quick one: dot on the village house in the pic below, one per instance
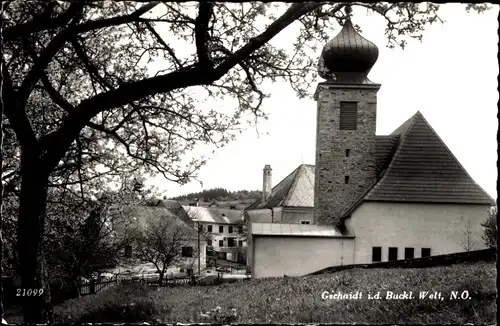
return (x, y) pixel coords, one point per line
(224, 229)
(188, 242)
(369, 198)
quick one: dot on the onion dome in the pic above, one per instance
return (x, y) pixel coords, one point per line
(348, 56)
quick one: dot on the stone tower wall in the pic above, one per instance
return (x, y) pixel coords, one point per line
(332, 195)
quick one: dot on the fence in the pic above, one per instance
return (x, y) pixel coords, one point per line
(431, 261)
(94, 287)
(167, 281)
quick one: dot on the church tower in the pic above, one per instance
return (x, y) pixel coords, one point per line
(346, 122)
(267, 184)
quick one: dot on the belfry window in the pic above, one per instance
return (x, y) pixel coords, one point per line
(348, 115)
(346, 179)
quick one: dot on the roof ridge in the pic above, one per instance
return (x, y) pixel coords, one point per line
(283, 180)
(405, 126)
(456, 160)
(410, 122)
(293, 185)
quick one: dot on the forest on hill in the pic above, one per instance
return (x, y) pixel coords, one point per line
(221, 194)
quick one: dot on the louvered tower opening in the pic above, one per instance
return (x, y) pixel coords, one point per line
(348, 115)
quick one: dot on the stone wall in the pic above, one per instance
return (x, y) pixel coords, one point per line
(332, 195)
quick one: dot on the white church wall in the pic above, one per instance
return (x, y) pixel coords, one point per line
(275, 256)
(445, 228)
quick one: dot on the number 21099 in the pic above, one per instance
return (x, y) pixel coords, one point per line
(29, 292)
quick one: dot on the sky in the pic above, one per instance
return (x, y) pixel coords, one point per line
(450, 77)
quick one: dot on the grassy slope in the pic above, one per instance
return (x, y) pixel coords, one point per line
(295, 300)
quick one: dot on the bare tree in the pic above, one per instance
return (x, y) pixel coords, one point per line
(81, 68)
(468, 241)
(164, 240)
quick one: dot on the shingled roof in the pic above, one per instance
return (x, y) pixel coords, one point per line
(413, 165)
(214, 215)
(297, 190)
(423, 169)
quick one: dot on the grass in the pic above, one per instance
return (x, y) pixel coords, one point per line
(298, 300)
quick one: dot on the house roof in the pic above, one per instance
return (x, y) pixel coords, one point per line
(175, 207)
(144, 214)
(214, 215)
(279, 229)
(423, 169)
(297, 189)
(413, 165)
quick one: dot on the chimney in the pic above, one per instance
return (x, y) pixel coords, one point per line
(267, 182)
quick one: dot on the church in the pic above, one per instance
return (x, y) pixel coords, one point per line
(369, 198)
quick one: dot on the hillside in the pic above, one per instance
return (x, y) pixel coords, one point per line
(299, 300)
(221, 195)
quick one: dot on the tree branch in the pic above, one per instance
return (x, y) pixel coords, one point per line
(41, 23)
(293, 13)
(189, 76)
(164, 44)
(17, 118)
(41, 62)
(204, 14)
(115, 21)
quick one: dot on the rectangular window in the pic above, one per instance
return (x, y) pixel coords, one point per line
(348, 115)
(240, 243)
(426, 252)
(240, 229)
(209, 242)
(376, 254)
(305, 222)
(221, 229)
(221, 243)
(230, 242)
(209, 228)
(409, 253)
(230, 229)
(346, 179)
(393, 253)
(187, 251)
(347, 152)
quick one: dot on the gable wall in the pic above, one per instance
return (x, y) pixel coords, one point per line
(295, 215)
(441, 227)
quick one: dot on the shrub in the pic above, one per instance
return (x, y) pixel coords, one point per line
(220, 315)
(124, 303)
(490, 230)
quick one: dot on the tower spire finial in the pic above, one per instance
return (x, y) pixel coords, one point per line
(348, 11)
(348, 57)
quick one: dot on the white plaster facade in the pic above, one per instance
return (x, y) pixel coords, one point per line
(276, 256)
(441, 227)
(219, 241)
(444, 228)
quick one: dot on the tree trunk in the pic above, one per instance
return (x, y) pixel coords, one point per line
(75, 288)
(160, 280)
(31, 225)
